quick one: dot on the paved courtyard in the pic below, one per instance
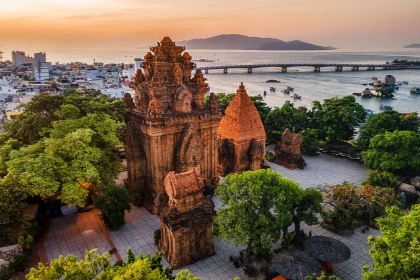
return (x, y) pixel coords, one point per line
(82, 231)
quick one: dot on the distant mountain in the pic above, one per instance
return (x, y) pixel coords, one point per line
(412, 46)
(293, 45)
(242, 42)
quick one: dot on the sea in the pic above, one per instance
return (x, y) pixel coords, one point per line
(309, 85)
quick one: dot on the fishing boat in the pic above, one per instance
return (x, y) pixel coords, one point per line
(272, 89)
(295, 96)
(368, 111)
(385, 107)
(285, 91)
(289, 88)
(415, 90)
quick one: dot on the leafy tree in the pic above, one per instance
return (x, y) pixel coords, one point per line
(386, 121)
(97, 266)
(336, 118)
(70, 161)
(306, 209)
(396, 254)
(12, 202)
(262, 108)
(294, 119)
(256, 206)
(397, 152)
(40, 113)
(112, 200)
(224, 100)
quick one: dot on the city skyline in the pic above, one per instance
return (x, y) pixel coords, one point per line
(130, 24)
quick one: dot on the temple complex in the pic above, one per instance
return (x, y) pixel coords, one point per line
(168, 126)
(287, 151)
(185, 217)
(241, 136)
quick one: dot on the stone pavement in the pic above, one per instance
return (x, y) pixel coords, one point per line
(82, 231)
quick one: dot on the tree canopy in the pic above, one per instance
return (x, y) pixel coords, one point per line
(336, 118)
(97, 266)
(62, 145)
(396, 152)
(396, 254)
(387, 121)
(256, 205)
(287, 116)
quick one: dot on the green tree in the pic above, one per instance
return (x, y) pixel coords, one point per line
(262, 108)
(397, 152)
(387, 121)
(224, 100)
(256, 207)
(294, 119)
(70, 161)
(40, 113)
(306, 209)
(97, 266)
(336, 118)
(396, 254)
(112, 200)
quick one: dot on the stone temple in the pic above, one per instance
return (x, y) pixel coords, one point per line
(241, 136)
(169, 128)
(186, 218)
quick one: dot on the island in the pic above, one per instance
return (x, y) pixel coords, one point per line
(412, 46)
(242, 42)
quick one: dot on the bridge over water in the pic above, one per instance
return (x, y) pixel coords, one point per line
(316, 67)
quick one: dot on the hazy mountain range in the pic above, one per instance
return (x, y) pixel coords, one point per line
(242, 42)
(412, 46)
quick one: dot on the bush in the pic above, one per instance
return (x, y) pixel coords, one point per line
(157, 235)
(347, 205)
(381, 179)
(269, 156)
(18, 263)
(112, 201)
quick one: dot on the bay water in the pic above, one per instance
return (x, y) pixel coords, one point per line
(310, 85)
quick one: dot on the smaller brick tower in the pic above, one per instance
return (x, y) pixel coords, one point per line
(241, 136)
(185, 217)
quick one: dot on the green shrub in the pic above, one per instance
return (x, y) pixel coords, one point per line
(112, 201)
(381, 179)
(269, 156)
(18, 263)
(157, 235)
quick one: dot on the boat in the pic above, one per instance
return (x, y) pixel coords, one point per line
(404, 82)
(295, 96)
(375, 78)
(385, 107)
(368, 111)
(265, 93)
(289, 88)
(272, 89)
(285, 91)
(287, 102)
(259, 97)
(415, 90)
(272, 81)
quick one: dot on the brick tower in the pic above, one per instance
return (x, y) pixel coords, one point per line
(168, 126)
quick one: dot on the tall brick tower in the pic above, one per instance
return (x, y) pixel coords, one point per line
(168, 126)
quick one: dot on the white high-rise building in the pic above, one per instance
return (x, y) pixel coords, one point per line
(18, 57)
(40, 58)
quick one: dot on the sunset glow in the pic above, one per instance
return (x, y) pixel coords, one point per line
(111, 24)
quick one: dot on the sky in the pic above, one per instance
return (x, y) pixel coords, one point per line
(42, 25)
